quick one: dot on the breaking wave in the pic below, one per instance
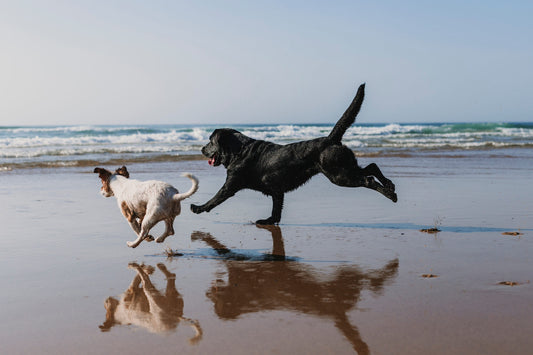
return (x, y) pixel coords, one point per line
(84, 144)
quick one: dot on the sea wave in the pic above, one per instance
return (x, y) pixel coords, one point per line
(84, 144)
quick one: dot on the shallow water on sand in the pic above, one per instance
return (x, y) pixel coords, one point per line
(342, 273)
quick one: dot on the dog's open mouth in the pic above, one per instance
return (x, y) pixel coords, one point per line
(212, 160)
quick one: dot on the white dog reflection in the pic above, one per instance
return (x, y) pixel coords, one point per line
(144, 306)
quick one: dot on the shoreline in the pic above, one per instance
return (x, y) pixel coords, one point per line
(484, 154)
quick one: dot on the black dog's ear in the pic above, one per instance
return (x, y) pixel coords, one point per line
(123, 171)
(103, 173)
(230, 141)
(215, 137)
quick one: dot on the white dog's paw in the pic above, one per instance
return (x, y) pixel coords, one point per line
(131, 244)
(160, 240)
(149, 238)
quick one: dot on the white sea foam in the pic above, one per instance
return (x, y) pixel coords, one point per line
(76, 143)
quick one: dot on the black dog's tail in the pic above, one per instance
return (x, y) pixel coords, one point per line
(348, 118)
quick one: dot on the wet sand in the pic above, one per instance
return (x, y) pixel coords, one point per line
(346, 271)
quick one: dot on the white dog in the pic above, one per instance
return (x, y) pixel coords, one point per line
(144, 203)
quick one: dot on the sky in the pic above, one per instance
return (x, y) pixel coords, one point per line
(222, 62)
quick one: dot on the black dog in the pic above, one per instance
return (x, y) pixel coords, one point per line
(275, 169)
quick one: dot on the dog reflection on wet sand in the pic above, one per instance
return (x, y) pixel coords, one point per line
(144, 306)
(274, 284)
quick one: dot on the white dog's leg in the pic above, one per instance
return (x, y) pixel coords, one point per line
(134, 224)
(147, 224)
(137, 229)
(169, 230)
(135, 243)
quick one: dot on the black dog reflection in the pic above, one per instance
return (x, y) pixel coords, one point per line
(144, 306)
(274, 285)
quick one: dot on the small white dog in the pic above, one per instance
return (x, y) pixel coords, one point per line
(144, 203)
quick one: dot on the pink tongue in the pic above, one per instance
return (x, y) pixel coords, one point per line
(211, 161)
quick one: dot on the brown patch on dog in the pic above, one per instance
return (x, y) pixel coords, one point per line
(123, 171)
(104, 175)
(127, 212)
(106, 187)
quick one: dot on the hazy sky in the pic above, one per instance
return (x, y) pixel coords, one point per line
(137, 62)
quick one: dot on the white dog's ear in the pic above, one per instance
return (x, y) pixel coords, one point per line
(102, 173)
(123, 171)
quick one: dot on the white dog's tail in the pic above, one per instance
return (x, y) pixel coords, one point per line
(192, 190)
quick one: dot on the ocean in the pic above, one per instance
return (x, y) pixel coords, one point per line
(89, 145)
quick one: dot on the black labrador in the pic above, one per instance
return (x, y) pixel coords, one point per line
(275, 169)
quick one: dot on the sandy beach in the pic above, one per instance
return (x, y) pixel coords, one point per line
(346, 271)
(437, 95)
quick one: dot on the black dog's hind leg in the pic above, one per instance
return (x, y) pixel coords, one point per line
(370, 183)
(351, 179)
(277, 206)
(339, 165)
(373, 170)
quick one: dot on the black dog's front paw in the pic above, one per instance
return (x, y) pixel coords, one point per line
(197, 209)
(267, 222)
